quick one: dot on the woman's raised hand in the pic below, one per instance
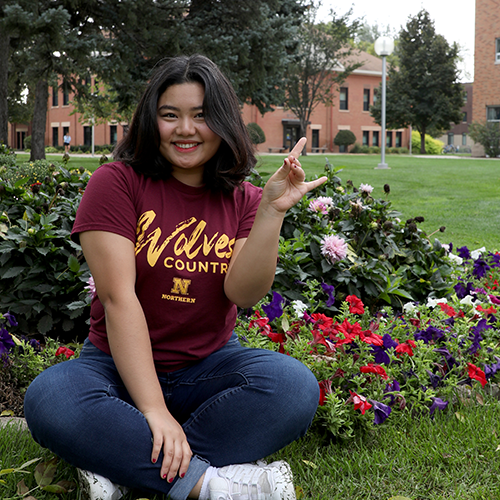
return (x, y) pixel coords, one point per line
(287, 185)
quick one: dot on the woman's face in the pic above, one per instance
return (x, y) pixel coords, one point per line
(186, 141)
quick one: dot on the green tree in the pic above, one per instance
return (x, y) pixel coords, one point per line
(424, 90)
(314, 76)
(252, 41)
(488, 135)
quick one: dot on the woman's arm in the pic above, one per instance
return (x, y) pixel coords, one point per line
(253, 263)
(111, 260)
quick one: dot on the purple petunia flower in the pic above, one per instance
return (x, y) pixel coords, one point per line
(381, 410)
(434, 379)
(462, 290)
(429, 334)
(390, 389)
(10, 318)
(6, 342)
(275, 308)
(329, 290)
(450, 360)
(381, 356)
(437, 404)
(490, 370)
(480, 268)
(463, 252)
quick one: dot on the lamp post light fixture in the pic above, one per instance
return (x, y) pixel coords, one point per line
(383, 47)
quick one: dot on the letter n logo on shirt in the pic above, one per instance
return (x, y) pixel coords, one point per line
(180, 286)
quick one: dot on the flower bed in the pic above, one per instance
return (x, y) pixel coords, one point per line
(370, 367)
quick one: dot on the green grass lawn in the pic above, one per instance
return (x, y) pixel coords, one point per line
(462, 194)
(453, 456)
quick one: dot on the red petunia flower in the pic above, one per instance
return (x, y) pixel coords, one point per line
(355, 305)
(360, 402)
(369, 337)
(372, 368)
(476, 374)
(447, 309)
(490, 310)
(261, 322)
(325, 388)
(66, 351)
(406, 347)
(321, 321)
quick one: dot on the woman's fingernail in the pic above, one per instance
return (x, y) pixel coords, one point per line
(154, 460)
(183, 474)
(171, 479)
(164, 476)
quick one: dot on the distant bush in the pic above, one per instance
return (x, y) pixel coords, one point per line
(256, 133)
(488, 135)
(432, 146)
(344, 138)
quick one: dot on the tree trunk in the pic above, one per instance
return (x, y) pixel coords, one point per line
(4, 87)
(39, 120)
(422, 141)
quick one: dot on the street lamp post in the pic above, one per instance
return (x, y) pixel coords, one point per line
(383, 47)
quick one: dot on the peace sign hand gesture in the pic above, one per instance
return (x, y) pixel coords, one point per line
(287, 185)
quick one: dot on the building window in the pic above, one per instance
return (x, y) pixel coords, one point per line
(375, 96)
(464, 139)
(399, 139)
(113, 134)
(497, 51)
(87, 136)
(388, 140)
(366, 100)
(493, 114)
(366, 137)
(464, 119)
(451, 138)
(55, 136)
(375, 138)
(55, 96)
(343, 98)
(65, 97)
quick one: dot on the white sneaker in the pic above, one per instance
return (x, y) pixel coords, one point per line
(95, 487)
(253, 482)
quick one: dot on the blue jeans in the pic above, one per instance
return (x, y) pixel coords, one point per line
(236, 406)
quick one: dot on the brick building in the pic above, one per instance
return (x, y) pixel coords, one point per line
(350, 111)
(60, 121)
(486, 104)
(458, 135)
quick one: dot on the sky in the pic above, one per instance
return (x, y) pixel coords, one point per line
(453, 19)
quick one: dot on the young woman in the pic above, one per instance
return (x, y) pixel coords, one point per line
(163, 397)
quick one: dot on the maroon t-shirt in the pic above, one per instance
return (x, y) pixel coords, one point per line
(184, 237)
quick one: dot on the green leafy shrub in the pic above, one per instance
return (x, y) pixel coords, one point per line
(432, 146)
(346, 238)
(42, 272)
(344, 138)
(257, 135)
(488, 135)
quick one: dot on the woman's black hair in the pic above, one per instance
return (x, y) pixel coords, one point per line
(234, 159)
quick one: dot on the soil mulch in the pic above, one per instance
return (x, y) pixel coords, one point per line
(11, 397)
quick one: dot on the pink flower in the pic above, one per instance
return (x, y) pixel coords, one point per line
(326, 200)
(318, 206)
(91, 287)
(366, 188)
(333, 248)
